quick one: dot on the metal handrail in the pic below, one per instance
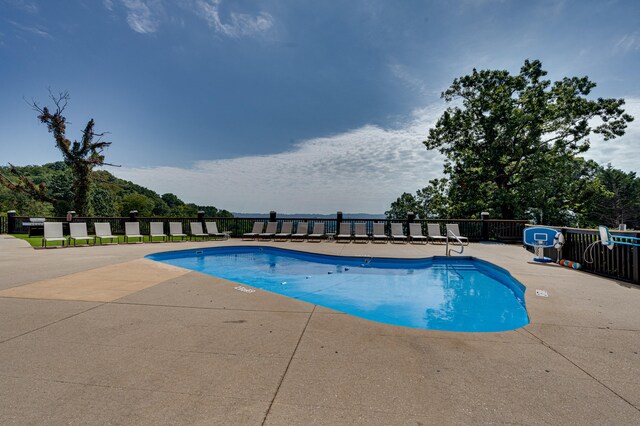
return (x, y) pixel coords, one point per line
(447, 250)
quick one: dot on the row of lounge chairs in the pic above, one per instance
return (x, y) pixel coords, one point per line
(53, 232)
(359, 234)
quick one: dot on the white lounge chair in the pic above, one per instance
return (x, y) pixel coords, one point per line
(103, 232)
(434, 234)
(132, 230)
(415, 233)
(196, 231)
(255, 232)
(270, 232)
(212, 230)
(318, 232)
(285, 232)
(378, 233)
(156, 229)
(53, 232)
(79, 232)
(397, 234)
(452, 228)
(175, 230)
(302, 231)
(345, 232)
(360, 233)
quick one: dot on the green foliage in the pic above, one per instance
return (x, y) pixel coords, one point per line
(144, 205)
(614, 200)
(403, 205)
(512, 136)
(109, 196)
(102, 202)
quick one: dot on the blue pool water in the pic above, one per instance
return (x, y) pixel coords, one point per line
(440, 293)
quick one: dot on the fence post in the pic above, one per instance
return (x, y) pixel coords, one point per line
(636, 263)
(272, 216)
(133, 215)
(411, 216)
(338, 221)
(484, 235)
(11, 222)
(201, 218)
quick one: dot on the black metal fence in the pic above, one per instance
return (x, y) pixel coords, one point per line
(474, 229)
(583, 246)
(3, 225)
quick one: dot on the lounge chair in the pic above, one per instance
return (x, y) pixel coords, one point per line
(78, 232)
(378, 233)
(156, 229)
(255, 232)
(285, 232)
(270, 232)
(196, 231)
(103, 232)
(415, 233)
(434, 234)
(212, 230)
(132, 230)
(397, 234)
(53, 232)
(360, 233)
(318, 232)
(302, 231)
(452, 228)
(175, 230)
(345, 232)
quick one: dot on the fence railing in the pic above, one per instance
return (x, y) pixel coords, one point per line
(4, 225)
(621, 263)
(474, 229)
(583, 246)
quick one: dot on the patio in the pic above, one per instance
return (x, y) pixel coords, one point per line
(97, 335)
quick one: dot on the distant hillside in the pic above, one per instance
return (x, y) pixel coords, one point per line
(110, 196)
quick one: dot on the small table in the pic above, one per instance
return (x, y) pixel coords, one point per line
(330, 236)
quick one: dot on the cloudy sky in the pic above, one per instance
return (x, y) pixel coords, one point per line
(290, 105)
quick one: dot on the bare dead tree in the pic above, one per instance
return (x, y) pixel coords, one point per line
(81, 156)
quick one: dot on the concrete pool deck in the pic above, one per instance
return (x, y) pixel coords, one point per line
(98, 335)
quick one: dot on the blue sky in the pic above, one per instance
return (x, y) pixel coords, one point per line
(295, 106)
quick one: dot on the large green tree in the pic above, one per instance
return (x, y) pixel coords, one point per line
(508, 135)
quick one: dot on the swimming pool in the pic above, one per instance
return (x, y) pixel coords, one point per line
(438, 293)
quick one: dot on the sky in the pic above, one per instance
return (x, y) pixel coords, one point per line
(290, 105)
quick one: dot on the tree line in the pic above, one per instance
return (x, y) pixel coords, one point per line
(513, 147)
(108, 196)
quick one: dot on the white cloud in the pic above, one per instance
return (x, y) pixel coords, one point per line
(363, 170)
(142, 16)
(405, 75)
(240, 24)
(24, 5)
(628, 43)
(623, 153)
(108, 4)
(31, 29)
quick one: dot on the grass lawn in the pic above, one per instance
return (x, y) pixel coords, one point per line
(37, 241)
